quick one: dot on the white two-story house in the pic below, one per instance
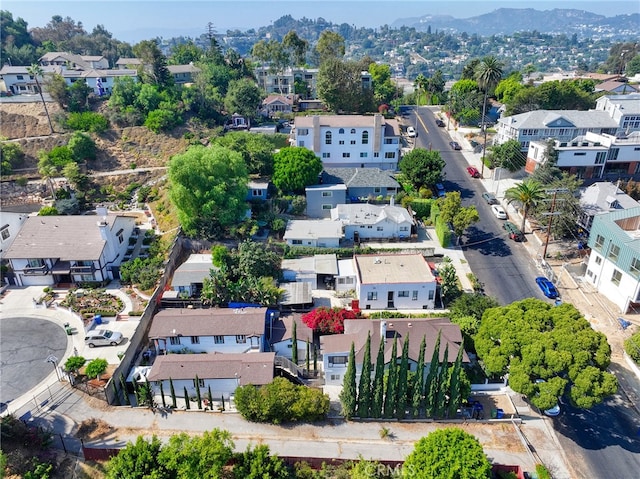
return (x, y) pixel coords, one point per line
(350, 141)
(364, 221)
(69, 249)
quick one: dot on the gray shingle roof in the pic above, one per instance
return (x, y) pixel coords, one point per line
(359, 177)
(251, 368)
(208, 322)
(560, 118)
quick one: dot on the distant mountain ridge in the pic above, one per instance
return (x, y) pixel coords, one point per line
(510, 20)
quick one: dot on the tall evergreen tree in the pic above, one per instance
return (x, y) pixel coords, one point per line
(348, 395)
(164, 402)
(363, 408)
(198, 396)
(454, 386)
(294, 344)
(443, 385)
(403, 374)
(431, 384)
(172, 391)
(417, 402)
(307, 357)
(186, 399)
(378, 383)
(392, 382)
(210, 397)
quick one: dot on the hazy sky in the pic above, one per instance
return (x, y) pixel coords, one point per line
(133, 21)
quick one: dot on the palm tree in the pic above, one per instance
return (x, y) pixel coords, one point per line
(35, 71)
(528, 194)
(488, 74)
(420, 84)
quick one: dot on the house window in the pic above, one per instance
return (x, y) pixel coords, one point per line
(363, 154)
(390, 154)
(376, 155)
(327, 194)
(341, 131)
(635, 267)
(303, 131)
(599, 241)
(616, 277)
(377, 189)
(335, 377)
(326, 155)
(327, 138)
(403, 294)
(4, 232)
(580, 153)
(296, 241)
(404, 228)
(600, 157)
(598, 259)
(370, 227)
(388, 141)
(365, 137)
(353, 131)
(341, 142)
(414, 295)
(256, 192)
(241, 339)
(301, 143)
(195, 340)
(353, 142)
(120, 236)
(35, 263)
(174, 340)
(337, 360)
(20, 77)
(379, 228)
(200, 383)
(327, 206)
(431, 294)
(346, 155)
(218, 339)
(372, 296)
(614, 251)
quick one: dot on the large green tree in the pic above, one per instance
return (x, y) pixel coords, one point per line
(532, 339)
(154, 64)
(422, 167)
(449, 453)
(527, 194)
(339, 86)
(139, 460)
(208, 188)
(348, 395)
(331, 45)
(202, 456)
(243, 97)
(295, 168)
(452, 211)
(257, 150)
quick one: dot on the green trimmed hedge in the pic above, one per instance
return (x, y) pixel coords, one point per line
(300, 251)
(422, 207)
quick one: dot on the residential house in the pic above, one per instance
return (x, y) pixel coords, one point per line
(223, 330)
(600, 198)
(128, 63)
(350, 141)
(617, 87)
(273, 105)
(71, 61)
(335, 348)
(614, 262)
(10, 224)
(592, 155)
(258, 190)
(363, 221)
(346, 278)
(314, 233)
(189, 276)
(222, 373)
(343, 185)
(394, 281)
(183, 73)
(296, 296)
(319, 269)
(613, 115)
(321, 199)
(281, 336)
(362, 184)
(70, 249)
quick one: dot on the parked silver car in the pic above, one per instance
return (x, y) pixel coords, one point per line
(103, 337)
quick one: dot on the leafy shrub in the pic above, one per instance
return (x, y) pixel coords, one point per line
(328, 320)
(11, 155)
(632, 347)
(281, 401)
(74, 363)
(159, 120)
(96, 367)
(143, 272)
(87, 121)
(422, 207)
(82, 147)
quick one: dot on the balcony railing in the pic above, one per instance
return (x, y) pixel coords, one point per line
(77, 269)
(36, 270)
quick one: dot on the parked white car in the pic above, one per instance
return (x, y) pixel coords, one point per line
(499, 212)
(411, 132)
(103, 337)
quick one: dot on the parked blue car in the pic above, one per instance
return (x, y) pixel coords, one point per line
(547, 287)
(440, 189)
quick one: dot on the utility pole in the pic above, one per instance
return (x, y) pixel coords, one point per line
(551, 214)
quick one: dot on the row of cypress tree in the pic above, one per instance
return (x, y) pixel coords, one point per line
(395, 392)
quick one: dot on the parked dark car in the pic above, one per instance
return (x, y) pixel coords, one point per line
(513, 231)
(439, 122)
(455, 145)
(440, 190)
(547, 287)
(490, 198)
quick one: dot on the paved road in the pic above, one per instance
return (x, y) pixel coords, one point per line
(496, 260)
(27, 342)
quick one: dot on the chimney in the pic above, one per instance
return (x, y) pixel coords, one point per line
(392, 201)
(383, 330)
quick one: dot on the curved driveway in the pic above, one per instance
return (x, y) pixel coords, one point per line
(27, 342)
